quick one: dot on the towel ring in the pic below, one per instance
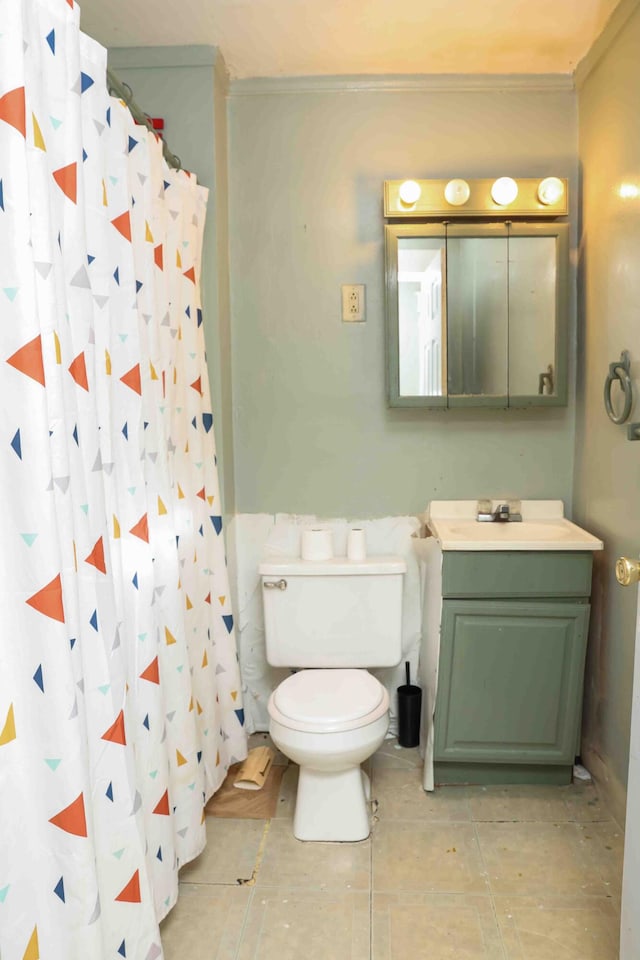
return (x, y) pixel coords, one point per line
(619, 371)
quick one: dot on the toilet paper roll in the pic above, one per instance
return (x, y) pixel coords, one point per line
(356, 544)
(316, 545)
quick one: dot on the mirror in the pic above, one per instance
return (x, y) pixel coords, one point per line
(477, 314)
(421, 315)
(532, 314)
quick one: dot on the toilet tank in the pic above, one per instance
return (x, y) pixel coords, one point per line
(334, 613)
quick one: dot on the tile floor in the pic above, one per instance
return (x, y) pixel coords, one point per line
(466, 873)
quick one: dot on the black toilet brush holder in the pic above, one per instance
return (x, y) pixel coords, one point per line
(409, 707)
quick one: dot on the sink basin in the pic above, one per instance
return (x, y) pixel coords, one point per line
(555, 532)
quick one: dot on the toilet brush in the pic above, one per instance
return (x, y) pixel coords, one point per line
(409, 706)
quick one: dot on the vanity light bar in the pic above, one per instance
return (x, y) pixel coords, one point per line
(529, 197)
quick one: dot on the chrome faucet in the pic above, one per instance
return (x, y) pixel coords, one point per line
(501, 514)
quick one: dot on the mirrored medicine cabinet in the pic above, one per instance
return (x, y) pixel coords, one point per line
(477, 313)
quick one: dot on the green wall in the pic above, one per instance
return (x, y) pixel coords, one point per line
(312, 431)
(187, 87)
(607, 474)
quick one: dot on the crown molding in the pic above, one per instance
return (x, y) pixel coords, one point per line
(423, 83)
(616, 22)
(132, 58)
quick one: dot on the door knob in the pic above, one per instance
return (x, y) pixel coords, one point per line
(627, 571)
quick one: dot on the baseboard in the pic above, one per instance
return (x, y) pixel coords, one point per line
(611, 791)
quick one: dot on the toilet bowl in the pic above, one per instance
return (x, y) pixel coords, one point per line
(329, 722)
(330, 620)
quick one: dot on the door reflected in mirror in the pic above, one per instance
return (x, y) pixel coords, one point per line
(421, 316)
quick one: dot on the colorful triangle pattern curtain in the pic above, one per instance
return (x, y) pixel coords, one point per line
(120, 704)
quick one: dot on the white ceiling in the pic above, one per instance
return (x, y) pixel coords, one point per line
(276, 38)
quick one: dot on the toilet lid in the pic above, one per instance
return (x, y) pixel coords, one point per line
(329, 700)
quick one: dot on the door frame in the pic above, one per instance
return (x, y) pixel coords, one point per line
(630, 914)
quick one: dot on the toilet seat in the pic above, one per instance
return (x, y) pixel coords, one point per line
(328, 701)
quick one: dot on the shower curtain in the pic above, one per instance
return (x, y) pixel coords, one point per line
(120, 703)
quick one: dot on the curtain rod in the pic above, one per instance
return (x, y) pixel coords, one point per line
(122, 90)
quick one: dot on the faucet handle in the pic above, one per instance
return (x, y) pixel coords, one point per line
(515, 511)
(484, 510)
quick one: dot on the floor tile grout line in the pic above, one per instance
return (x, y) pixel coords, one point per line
(252, 883)
(597, 864)
(430, 820)
(537, 895)
(555, 820)
(375, 819)
(245, 921)
(217, 883)
(331, 891)
(259, 856)
(490, 891)
(589, 861)
(371, 876)
(587, 898)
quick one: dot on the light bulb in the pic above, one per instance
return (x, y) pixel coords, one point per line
(629, 191)
(504, 191)
(410, 192)
(550, 190)
(457, 192)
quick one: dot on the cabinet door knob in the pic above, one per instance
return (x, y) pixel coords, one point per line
(627, 571)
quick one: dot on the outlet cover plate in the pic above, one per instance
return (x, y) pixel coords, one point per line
(353, 302)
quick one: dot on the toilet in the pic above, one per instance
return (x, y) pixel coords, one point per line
(330, 620)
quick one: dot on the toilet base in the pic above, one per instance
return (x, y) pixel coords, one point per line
(333, 792)
(332, 805)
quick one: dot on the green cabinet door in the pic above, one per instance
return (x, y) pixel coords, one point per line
(510, 681)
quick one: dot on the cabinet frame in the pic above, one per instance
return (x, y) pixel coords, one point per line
(396, 231)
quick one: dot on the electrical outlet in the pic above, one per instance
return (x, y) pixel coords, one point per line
(353, 302)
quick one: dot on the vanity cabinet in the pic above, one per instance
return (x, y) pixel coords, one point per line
(512, 653)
